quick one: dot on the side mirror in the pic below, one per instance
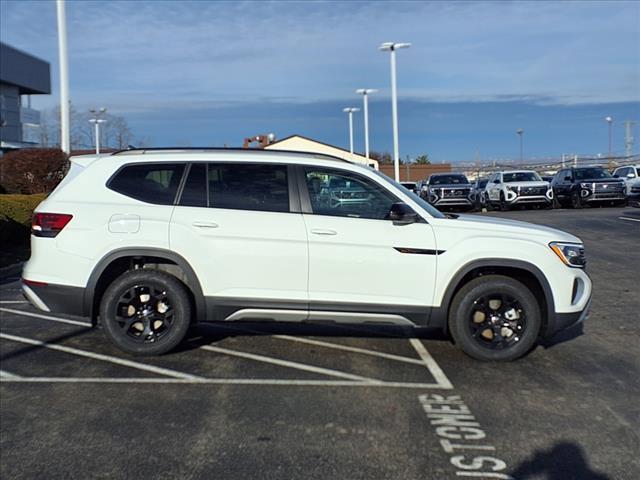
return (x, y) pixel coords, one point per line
(630, 175)
(402, 214)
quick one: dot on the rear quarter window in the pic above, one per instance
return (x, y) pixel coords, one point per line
(147, 182)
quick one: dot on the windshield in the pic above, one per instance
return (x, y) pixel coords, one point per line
(423, 203)
(448, 180)
(521, 177)
(585, 173)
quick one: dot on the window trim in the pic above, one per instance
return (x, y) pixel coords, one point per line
(305, 198)
(135, 164)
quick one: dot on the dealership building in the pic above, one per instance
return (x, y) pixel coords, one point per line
(21, 75)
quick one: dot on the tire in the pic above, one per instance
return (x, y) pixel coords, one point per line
(555, 202)
(497, 338)
(145, 312)
(503, 204)
(576, 201)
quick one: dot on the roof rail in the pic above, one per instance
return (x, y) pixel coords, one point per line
(144, 150)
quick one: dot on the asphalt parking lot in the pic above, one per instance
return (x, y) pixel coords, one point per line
(256, 401)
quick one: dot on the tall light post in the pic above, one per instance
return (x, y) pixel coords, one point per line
(65, 136)
(365, 92)
(609, 121)
(350, 111)
(392, 47)
(520, 133)
(96, 120)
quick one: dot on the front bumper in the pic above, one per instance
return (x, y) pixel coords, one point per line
(529, 199)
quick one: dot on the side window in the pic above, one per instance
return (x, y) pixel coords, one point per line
(194, 193)
(148, 182)
(345, 194)
(246, 186)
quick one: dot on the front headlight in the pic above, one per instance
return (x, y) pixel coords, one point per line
(572, 254)
(586, 185)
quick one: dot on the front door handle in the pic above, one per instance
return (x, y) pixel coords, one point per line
(205, 224)
(323, 231)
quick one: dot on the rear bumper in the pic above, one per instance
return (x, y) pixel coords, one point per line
(54, 298)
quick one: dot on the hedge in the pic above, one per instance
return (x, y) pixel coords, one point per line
(15, 218)
(32, 170)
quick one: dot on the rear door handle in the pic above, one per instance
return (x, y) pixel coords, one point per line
(205, 224)
(323, 231)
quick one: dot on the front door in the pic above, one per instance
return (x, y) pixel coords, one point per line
(358, 260)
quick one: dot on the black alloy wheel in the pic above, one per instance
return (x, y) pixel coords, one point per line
(495, 318)
(503, 204)
(146, 312)
(576, 201)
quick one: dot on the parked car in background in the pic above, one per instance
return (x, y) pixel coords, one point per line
(629, 175)
(633, 198)
(581, 186)
(478, 193)
(449, 190)
(411, 186)
(547, 178)
(507, 189)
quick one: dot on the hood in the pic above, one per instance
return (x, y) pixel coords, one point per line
(513, 227)
(601, 180)
(452, 185)
(527, 184)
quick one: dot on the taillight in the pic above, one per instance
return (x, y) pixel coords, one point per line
(49, 224)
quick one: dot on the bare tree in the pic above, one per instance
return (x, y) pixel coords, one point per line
(114, 133)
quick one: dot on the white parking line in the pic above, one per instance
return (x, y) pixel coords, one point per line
(347, 348)
(224, 381)
(13, 301)
(629, 219)
(431, 364)
(286, 363)
(100, 356)
(45, 317)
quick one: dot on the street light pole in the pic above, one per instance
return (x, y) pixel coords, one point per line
(65, 137)
(350, 111)
(392, 47)
(609, 120)
(520, 133)
(96, 120)
(365, 94)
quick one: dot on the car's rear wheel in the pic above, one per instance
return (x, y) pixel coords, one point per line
(145, 312)
(495, 318)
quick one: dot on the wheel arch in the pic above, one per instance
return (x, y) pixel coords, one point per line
(117, 262)
(525, 272)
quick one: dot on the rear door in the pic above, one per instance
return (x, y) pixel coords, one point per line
(238, 226)
(358, 260)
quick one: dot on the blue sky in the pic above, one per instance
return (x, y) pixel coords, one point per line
(210, 73)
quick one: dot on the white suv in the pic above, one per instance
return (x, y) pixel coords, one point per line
(147, 242)
(518, 187)
(629, 174)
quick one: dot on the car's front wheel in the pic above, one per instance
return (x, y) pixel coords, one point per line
(495, 318)
(145, 312)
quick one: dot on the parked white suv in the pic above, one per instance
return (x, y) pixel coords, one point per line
(147, 242)
(518, 187)
(630, 174)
